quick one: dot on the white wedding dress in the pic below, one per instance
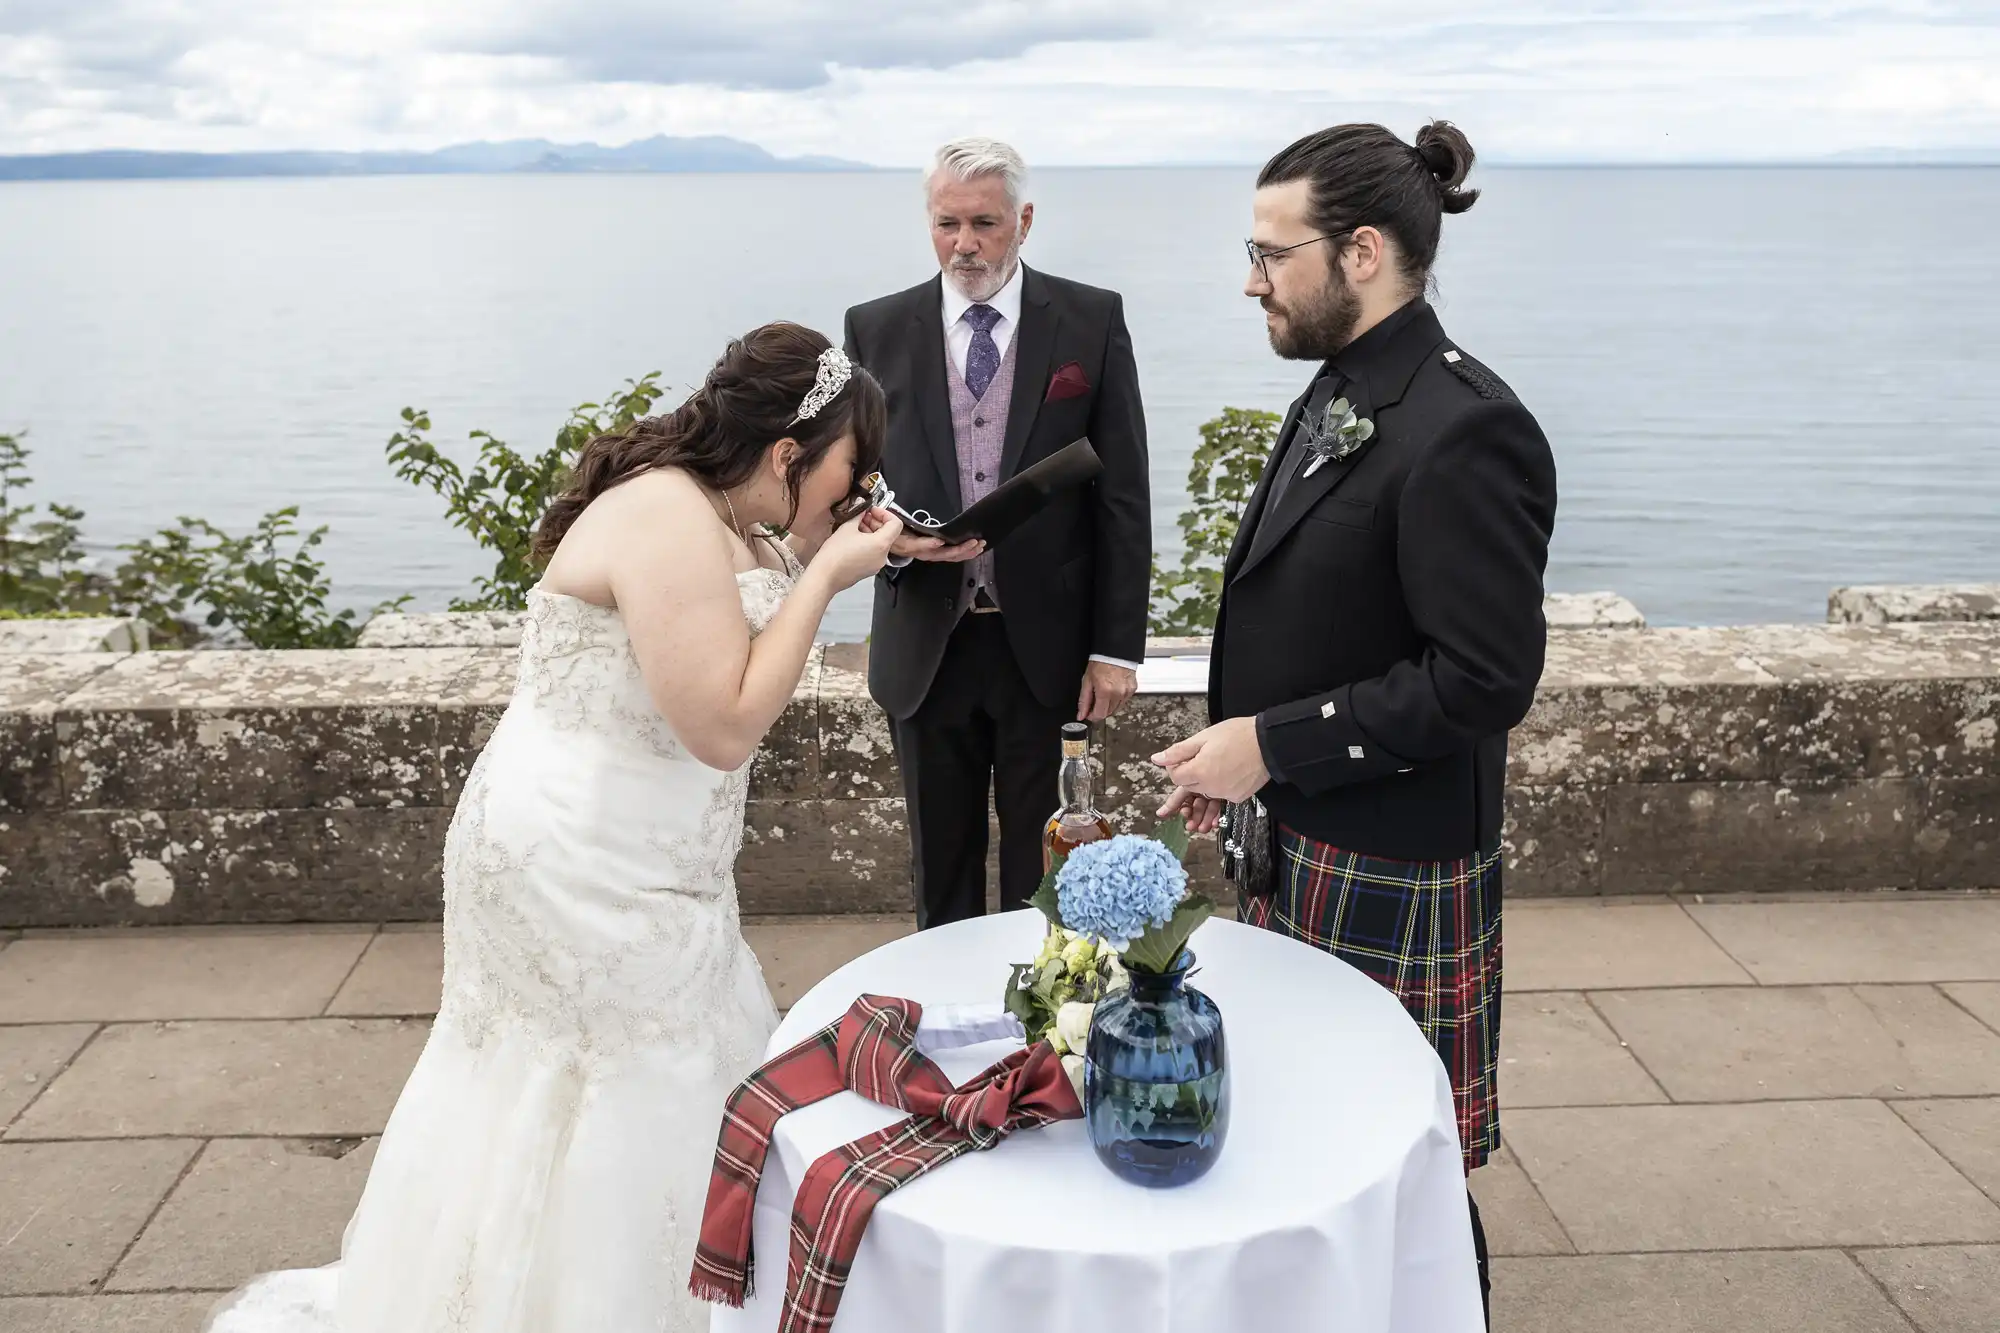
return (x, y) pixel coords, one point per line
(545, 1168)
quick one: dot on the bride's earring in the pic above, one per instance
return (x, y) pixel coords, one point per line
(784, 457)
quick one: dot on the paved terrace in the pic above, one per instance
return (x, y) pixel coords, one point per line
(1733, 1115)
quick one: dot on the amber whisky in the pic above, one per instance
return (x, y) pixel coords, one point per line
(1077, 822)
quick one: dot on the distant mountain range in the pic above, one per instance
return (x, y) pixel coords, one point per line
(659, 153)
(663, 153)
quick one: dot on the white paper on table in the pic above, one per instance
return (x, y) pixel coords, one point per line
(1181, 674)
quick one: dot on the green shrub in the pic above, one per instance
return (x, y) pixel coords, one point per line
(1223, 473)
(502, 498)
(177, 581)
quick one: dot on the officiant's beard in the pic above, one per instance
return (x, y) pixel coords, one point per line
(978, 280)
(1315, 328)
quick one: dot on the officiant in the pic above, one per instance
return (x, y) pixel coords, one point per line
(980, 655)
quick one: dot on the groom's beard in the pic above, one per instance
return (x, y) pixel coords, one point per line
(1318, 326)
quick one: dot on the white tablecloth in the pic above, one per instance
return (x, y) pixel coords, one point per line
(1337, 1206)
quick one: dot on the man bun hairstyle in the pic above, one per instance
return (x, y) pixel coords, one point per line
(1448, 154)
(1364, 176)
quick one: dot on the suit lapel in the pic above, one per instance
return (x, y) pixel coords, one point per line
(1379, 374)
(1246, 526)
(927, 354)
(1305, 492)
(1034, 347)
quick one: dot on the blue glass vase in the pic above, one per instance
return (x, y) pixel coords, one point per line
(1156, 1079)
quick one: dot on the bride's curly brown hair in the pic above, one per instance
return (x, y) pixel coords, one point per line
(719, 435)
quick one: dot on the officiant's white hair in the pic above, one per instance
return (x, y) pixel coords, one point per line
(970, 158)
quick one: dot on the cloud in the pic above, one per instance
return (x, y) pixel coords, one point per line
(1069, 81)
(785, 44)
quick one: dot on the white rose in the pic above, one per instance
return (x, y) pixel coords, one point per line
(1073, 1066)
(1056, 1042)
(1073, 1025)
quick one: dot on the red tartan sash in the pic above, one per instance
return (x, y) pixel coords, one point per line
(872, 1051)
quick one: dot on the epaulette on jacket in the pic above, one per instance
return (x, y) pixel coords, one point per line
(1483, 381)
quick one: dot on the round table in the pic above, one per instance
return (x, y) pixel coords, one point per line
(1337, 1206)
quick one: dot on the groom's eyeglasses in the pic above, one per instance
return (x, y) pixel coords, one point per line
(1261, 257)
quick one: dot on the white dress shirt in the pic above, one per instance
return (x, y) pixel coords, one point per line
(958, 333)
(958, 342)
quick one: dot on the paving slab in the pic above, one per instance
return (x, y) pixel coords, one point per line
(310, 1078)
(401, 974)
(1876, 940)
(1515, 1219)
(1738, 1044)
(1980, 998)
(401, 971)
(30, 1057)
(1943, 1289)
(1966, 1130)
(250, 1206)
(1760, 1176)
(1556, 1051)
(1806, 1291)
(68, 1210)
(106, 1314)
(797, 953)
(1587, 946)
(132, 975)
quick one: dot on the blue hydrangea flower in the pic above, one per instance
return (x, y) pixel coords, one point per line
(1119, 888)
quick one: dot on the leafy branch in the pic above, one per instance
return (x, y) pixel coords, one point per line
(503, 495)
(1221, 476)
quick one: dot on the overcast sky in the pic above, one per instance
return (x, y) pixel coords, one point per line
(1068, 81)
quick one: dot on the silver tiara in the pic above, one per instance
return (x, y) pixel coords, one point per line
(834, 371)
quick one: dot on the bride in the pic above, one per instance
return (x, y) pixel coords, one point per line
(545, 1167)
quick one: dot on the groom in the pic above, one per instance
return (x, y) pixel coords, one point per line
(1380, 627)
(979, 657)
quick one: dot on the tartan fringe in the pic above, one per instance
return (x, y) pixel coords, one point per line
(715, 1291)
(722, 1284)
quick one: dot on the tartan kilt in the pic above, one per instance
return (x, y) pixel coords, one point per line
(1427, 930)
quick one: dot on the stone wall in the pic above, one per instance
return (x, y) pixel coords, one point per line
(78, 634)
(1912, 603)
(256, 786)
(502, 629)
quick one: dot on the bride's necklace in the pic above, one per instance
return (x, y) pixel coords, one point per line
(740, 534)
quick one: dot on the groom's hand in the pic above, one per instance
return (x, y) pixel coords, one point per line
(1224, 761)
(936, 549)
(1201, 812)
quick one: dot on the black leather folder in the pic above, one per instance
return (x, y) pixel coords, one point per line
(1015, 500)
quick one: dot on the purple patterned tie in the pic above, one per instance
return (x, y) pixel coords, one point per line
(982, 360)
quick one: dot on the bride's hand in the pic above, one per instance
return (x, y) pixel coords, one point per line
(858, 549)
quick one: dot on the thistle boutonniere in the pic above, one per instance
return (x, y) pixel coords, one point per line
(1338, 433)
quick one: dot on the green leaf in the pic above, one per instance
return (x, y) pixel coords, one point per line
(1160, 947)
(1174, 833)
(1019, 1002)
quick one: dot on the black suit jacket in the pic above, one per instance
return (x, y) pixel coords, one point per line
(1075, 579)
(1384, 625)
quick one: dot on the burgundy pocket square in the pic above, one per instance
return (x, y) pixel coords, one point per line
(1067, 382)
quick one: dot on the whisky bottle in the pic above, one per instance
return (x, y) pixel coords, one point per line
(1077, 822)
